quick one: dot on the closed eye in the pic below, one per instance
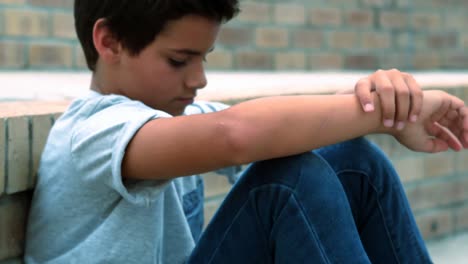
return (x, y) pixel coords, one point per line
(176, 63)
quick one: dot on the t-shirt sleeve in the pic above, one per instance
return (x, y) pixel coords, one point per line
(203, 107)
(98, 147)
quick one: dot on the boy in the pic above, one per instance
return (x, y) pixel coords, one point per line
(113, 183)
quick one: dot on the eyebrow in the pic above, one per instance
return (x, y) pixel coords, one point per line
(191, 52)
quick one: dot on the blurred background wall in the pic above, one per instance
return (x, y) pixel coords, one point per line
(271, 35)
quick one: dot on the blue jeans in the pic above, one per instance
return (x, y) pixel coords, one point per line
(339, 204)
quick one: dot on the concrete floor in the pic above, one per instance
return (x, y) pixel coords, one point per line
(453, 250)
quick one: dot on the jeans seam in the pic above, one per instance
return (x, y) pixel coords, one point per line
(226, 232)
(311, 230)
(366, 176)
(240, 210)
(302, 210)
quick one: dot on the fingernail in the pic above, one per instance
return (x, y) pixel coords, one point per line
(414, 118)
(369, 108)
(400, 125)
(388, 123)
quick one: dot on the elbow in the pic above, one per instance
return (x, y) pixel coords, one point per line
(238, 143)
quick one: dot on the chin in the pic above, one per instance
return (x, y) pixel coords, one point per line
(176, 112)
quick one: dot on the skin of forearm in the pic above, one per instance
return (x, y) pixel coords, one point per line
(250, 131)
(281, 126)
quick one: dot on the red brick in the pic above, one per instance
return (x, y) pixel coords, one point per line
(464, 41)
(436, 194)
(326, 61)
(220, 59)
(307, 39)
(455, 60)
(290, 61)
(254, 60)
(393, 19)
(397, 60)
(462, 157)
(377, 3)
(272, 38)
(359, 18)
(236, 36)
(361, 62)
(255, 12)
(51, 55)
(325, 17)
(376, 40)
(12, 2)
(12, 54)
(344, 39)
(290, 14)
(456, 20)
(53, 3)
(461, 219)
(426, 61)
(26, 23)
(80, 60)
(439, 165)
(426, 20)
(410, 169)
(436, 224)
(63, 25)
(442, 40)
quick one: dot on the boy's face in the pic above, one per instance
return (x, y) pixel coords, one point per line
(168, 72)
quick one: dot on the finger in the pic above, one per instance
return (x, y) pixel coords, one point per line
(443, 109)
(402, 100)
(459, 126)
(464, 126)
(363, 91)
(435, 145)
(457, 103)
(448, 137)
(449, 119)
(384, 88)
(416, 97)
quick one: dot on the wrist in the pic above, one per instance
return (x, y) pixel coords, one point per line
(380, 127)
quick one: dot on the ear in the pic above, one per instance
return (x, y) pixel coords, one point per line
(107, 46)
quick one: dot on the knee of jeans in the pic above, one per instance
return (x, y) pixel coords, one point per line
(286, 170)
(361, 156)
(356, 154)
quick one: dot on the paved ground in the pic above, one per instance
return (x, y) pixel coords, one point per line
(453, 250)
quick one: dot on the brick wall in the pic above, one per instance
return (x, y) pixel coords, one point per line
(436, 185)
(271, 35)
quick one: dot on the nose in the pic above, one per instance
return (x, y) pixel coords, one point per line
(196, 78)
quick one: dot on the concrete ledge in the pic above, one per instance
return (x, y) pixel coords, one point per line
(222, 85)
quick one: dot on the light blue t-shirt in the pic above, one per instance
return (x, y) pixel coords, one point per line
(82, 210)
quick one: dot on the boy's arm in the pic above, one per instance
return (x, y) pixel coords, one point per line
(250, 131)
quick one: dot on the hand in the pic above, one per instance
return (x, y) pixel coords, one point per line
(443, 124)
(401, 96)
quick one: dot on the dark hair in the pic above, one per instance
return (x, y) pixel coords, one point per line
(136, 23)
